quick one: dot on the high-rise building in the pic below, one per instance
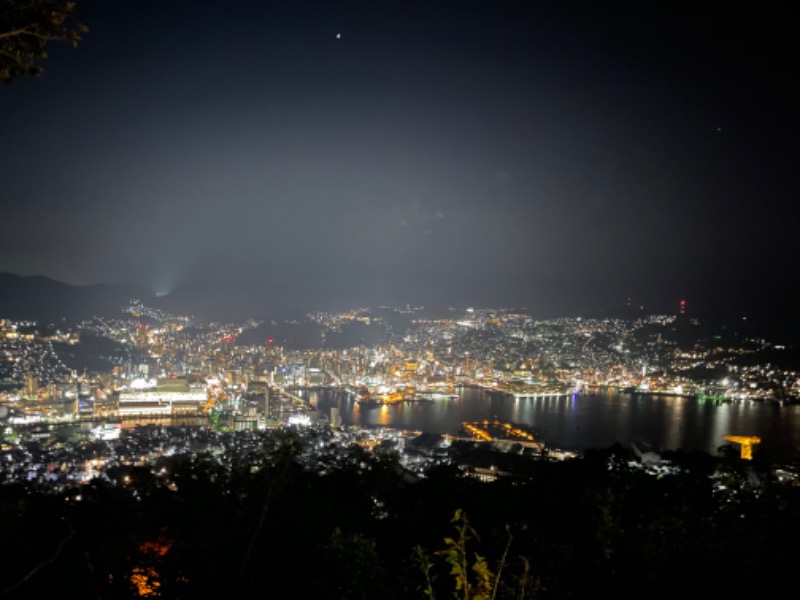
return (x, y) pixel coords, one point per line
(32, 386)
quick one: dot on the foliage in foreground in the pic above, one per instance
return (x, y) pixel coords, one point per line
(472, 576)
(567, 530)
(27, 27)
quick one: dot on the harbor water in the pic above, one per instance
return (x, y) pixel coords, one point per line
(594, 420)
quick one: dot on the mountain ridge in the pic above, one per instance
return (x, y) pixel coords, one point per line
(41, 298)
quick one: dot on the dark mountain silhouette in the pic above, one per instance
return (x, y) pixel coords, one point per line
(232, 301)
(47, 300)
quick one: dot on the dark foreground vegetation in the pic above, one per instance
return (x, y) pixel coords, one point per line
(356, 526)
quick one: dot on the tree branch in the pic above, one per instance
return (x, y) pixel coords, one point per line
(12, 56)
(14, 33)
(40, 566)
(24, 31)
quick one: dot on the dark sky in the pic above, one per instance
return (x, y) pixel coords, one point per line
(549, 155)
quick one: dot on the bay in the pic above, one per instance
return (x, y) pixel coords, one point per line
(595, 420)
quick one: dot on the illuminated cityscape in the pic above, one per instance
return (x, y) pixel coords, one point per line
(166, 391)
(159, 366)
(163, 366)
(402, 299)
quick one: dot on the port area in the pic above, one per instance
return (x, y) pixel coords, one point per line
(388, 399)
(501, 433)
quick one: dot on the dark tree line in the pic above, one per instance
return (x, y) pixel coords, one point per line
(266, 526)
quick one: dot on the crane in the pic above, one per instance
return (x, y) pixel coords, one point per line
(747, 442)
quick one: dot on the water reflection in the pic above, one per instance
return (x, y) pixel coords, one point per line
(593, 420)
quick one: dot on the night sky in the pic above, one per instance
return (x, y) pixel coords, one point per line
(559, 156)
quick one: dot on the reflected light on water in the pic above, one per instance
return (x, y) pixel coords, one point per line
(592, 420)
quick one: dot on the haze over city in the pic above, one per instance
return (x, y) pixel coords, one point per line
(562, 157)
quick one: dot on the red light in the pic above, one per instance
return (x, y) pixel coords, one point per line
(270, 340)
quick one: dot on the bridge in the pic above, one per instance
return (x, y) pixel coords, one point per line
(499, 432)
(293, 397)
